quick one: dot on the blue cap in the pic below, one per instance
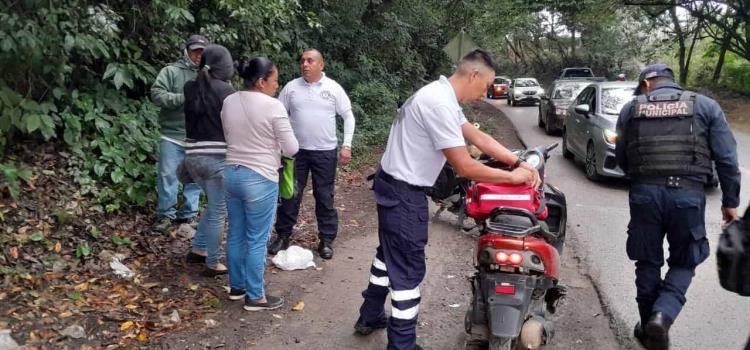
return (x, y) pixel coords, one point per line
(653, 71)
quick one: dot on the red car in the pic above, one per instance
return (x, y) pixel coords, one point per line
(499, 88)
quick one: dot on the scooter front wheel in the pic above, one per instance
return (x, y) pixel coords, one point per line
(498, 343)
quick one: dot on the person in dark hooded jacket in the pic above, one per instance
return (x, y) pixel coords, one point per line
(205, 151)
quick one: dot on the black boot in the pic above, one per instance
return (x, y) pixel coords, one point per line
(657, 331)
(364, 328)
(325, 250)
(279, 244)
(639, 334)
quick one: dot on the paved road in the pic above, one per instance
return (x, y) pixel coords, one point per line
(598, 215)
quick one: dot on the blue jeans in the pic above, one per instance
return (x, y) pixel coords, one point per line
(208, 172)
(170, 156)
(251, 204)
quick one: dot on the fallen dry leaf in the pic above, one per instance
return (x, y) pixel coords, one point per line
(81, 287)
(14, 252)
(277, 316)
(65, 314)
(299, 306)
(58, 247)
(126, 325)
(142, 337)
(131, 306)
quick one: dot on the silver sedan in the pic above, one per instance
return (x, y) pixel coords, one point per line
(589, 128)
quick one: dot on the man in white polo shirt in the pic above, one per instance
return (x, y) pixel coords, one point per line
(313, 101)
(429, 128)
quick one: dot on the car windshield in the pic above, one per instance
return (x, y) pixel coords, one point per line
(578, 73)
(526, 83)
(501, 81)
(614, 98)
(568, 91)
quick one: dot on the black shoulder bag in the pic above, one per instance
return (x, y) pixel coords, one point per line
(733, 256)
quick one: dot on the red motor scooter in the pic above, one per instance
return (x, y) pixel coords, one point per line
(522, 234)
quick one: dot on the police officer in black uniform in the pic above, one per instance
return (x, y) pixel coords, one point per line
(667, 138)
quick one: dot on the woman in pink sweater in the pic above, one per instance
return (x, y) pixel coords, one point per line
(258, 133)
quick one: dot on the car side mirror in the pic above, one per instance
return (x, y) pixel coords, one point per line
(582, 109)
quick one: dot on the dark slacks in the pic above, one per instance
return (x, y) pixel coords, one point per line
(399, 265)
(322, 166)
(657, 211)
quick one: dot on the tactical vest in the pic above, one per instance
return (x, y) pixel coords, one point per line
(664, 139)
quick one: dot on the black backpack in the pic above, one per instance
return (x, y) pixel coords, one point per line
(733, 256)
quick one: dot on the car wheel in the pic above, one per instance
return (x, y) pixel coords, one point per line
(567, 154)
(540, 120)
(590, 163)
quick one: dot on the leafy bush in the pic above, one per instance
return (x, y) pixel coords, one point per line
(11, 176)
(80, 71)
(375, 106)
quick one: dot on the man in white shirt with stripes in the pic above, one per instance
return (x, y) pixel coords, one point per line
(429, 128)
(313, 101)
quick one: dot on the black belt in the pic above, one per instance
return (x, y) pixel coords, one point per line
(394, 181)
(672, 182)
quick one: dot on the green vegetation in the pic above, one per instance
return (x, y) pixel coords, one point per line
(76, 73)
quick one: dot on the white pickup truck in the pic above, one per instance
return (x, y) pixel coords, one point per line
(576, 72)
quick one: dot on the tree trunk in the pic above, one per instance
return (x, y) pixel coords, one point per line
(681, 41)
(573, 43)
(726, 42)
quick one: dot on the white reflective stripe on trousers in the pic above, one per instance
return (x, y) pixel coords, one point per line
(407, 314)
(379, 281)
(379, 264)
(403, 295)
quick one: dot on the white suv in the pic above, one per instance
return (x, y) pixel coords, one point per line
(524, 90)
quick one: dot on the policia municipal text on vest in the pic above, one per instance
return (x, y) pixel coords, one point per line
(664, 138)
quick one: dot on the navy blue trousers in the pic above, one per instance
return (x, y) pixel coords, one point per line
(657, 211)
(322, 166)
(399, 264)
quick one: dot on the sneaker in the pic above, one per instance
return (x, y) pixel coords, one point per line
(271, 303)
(364, 328)
(236, 294)
(163, 225)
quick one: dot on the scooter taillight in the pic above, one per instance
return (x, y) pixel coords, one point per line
(504, 258)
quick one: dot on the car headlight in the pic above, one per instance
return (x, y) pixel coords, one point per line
(517, 93)
(610, 136)
(560, 111)
(540, 91)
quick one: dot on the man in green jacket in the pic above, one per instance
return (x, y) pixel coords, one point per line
(167, 94)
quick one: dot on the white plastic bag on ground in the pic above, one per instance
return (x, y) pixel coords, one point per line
(6, 341)
(120, 269)
(294, 258)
